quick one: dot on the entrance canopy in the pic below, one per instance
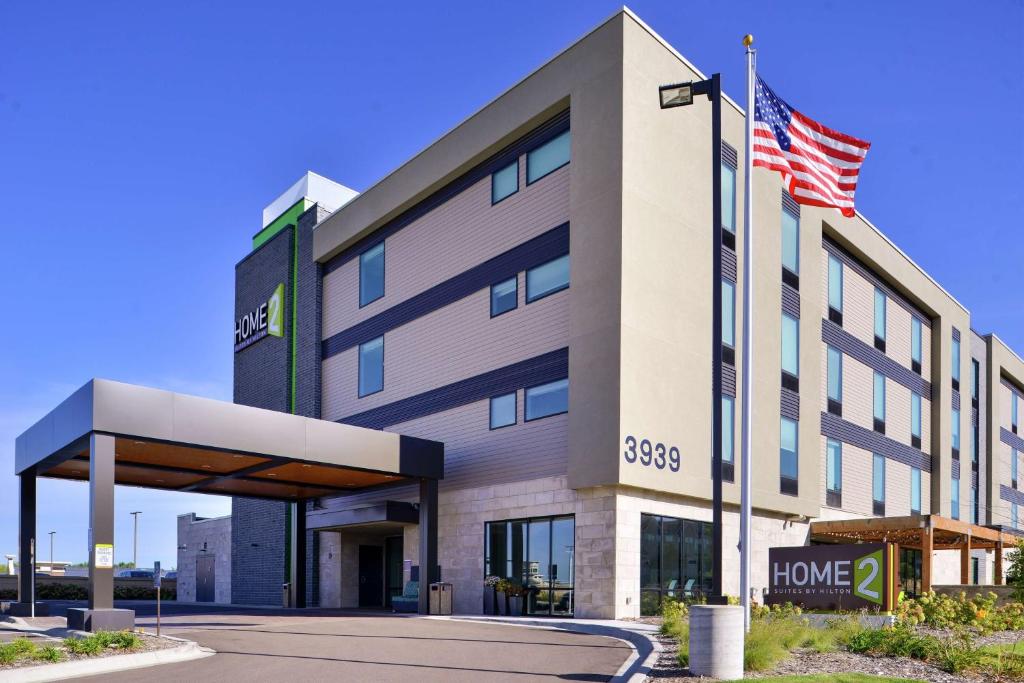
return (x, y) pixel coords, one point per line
(185, 443)
(109, 433)
(926, 533)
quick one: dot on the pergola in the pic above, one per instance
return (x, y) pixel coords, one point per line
(921, 532)
(111, 433)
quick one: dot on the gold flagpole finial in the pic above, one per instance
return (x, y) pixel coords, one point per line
(748, 40)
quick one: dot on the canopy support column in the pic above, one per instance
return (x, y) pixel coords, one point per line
(997, 575)
(100, 614)
(926, 559)
(429, 571)
(965, 562)
(298, 554)
(26, 605)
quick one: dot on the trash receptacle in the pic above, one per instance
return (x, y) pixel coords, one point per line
(286, 594)
(441, 598)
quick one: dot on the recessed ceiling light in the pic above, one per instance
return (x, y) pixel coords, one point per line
(307, 466)
(159, 481)
(271, 474)
(236, 456)
(205, 467)
(139, 443)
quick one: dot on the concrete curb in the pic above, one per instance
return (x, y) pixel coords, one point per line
(187, 651)
(645, 649)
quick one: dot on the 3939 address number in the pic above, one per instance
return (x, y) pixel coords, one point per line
(648, 454)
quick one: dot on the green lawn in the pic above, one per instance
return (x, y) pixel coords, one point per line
(831, 678)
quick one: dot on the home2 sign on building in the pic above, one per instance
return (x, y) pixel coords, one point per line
(267, 319)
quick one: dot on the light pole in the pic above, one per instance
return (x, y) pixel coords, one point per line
(52, 534)
(135, 540)
(680, 95)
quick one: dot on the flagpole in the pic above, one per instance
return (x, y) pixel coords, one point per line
(746, 352)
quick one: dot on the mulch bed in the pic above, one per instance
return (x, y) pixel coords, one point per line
(801, 662)
(149, 643)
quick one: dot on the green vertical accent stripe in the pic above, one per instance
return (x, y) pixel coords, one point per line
(289, 217)
(295, 311)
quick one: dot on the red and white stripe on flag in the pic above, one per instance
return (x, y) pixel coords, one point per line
(819, 165)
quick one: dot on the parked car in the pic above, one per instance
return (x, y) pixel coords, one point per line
(135, 574)
(172, 575)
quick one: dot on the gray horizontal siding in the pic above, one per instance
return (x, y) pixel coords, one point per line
(1011, 439)
(790, 301)
(850, 260)
(835, 427)
(538, 136)
(790, 404)
(1011, 495)
(868, 355)
(534, 252)
(789, 204)
(545, 368)
(729, 264)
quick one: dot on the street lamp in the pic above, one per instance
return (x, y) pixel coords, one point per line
(681, 95)
(135, 541)
(52, 534)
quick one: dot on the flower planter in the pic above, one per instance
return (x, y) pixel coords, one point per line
(490, 600)
(515, 605)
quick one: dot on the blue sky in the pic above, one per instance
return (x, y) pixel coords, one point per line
(140, 141)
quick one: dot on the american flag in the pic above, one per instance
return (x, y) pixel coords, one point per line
(819, 165)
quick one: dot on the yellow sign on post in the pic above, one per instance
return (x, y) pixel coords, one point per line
(104, 554)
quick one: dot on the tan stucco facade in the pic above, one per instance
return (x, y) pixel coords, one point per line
(637, 325)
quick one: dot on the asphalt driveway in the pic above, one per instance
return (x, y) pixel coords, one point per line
(284, 645)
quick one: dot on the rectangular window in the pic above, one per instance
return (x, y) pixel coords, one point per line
(728, 428)
(1013, 411)
(790, 345)
(1013, 515)
(835, 287)
(1013, 467)
(547, 399)
(728, 313)
(975, 381)
(788, 456)
(835, 380)
(547, 278)
(974, 505)
(371, 274)
(879, 319)
(879, 402)
(729, 198)
(536, 554)
(915, 344)
(915, 491)
(833, 473)
(675, 560)
(878, 483)
(504, 296)
(790, 242)
(955, 428)
(954, 498)
(371, 366)
(915, 419)
(550, 156)
(956, 363)
(503, 410)
(505, 183)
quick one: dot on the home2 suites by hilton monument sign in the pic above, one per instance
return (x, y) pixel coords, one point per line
(843, 577)
(266, 319)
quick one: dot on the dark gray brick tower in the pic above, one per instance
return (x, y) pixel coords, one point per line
(263, 378)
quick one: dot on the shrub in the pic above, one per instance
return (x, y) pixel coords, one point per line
(1015, 571)
(944, 611)
(956, 653)
(50, 653)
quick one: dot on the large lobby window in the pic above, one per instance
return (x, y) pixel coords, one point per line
(675, 560)
(537, 553)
